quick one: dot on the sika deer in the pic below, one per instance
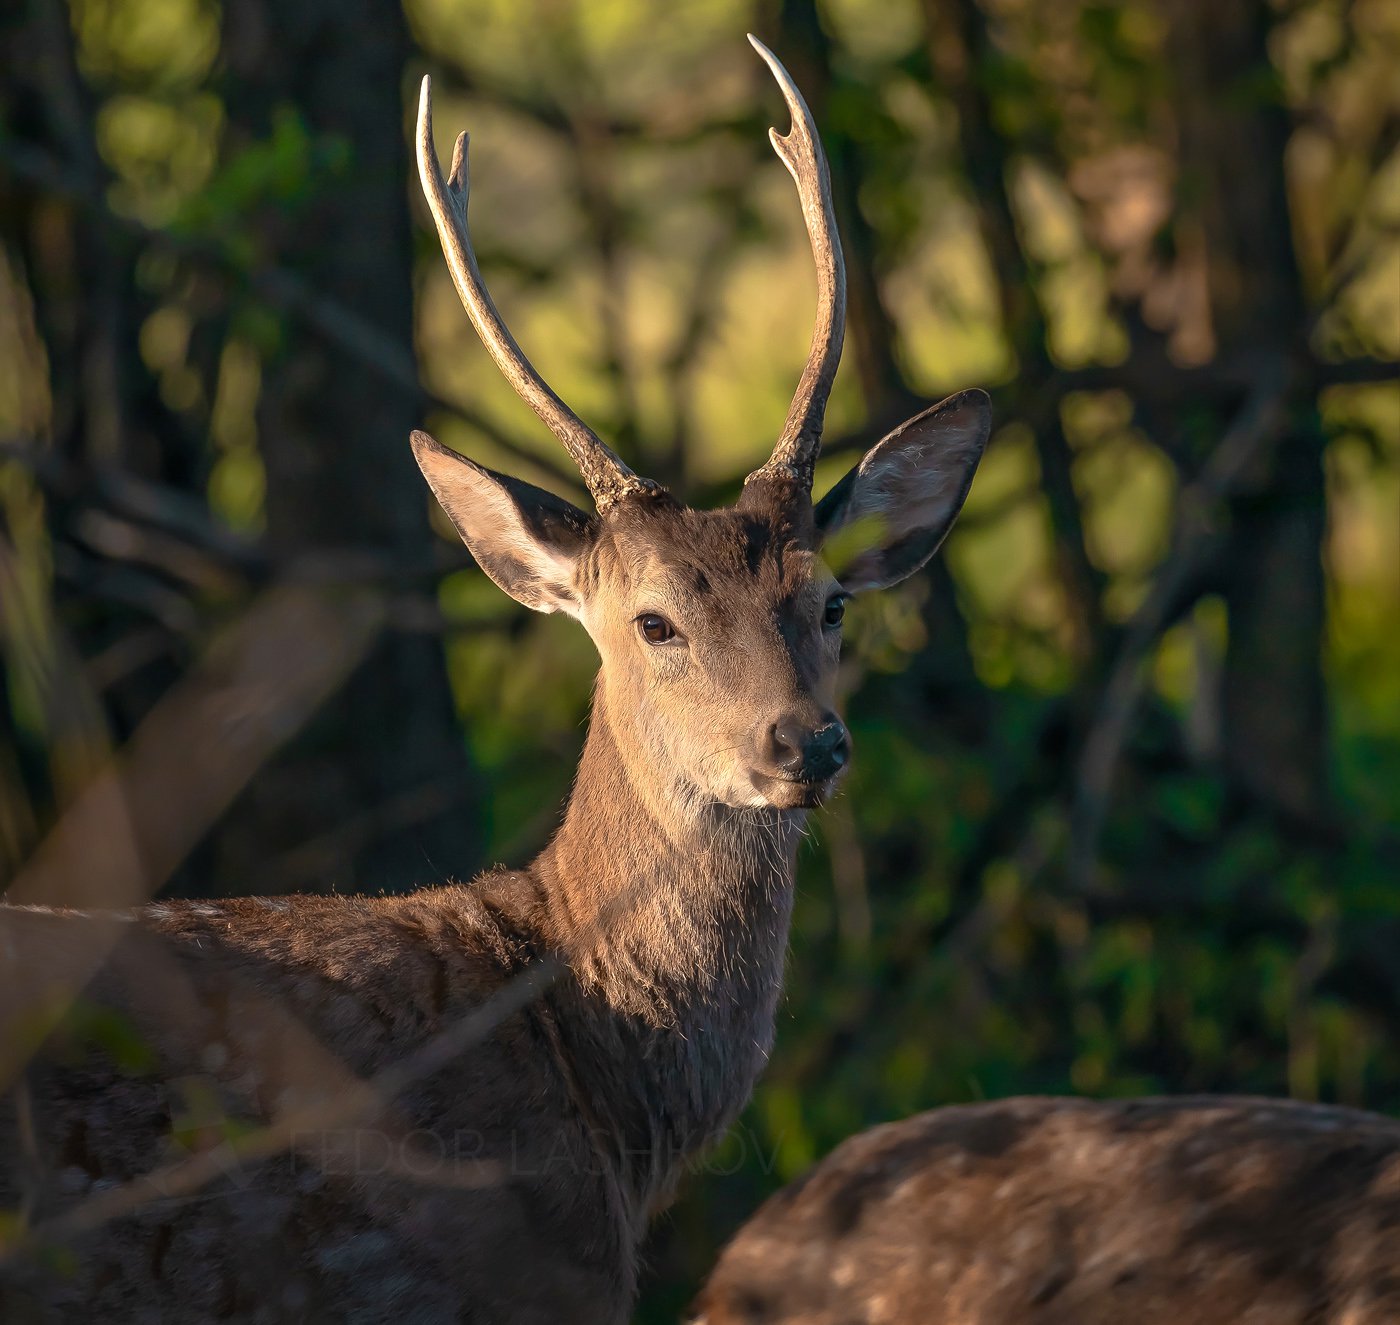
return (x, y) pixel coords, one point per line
(1212, 1211)
(510, 1180)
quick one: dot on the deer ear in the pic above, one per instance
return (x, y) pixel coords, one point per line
(887, 517)
(526, 539)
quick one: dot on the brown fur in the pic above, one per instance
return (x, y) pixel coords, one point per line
(514, 1182)
(670, 911)
(1213, 1211)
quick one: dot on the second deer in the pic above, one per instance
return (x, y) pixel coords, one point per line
(511, 1180)
(1196, 1210)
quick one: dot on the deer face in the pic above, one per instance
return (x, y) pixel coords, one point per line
(720, 634)
(720, 631)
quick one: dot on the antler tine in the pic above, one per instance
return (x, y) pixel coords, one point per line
(607, 478)
(795, 455)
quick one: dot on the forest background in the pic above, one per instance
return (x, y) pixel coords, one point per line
(1125, 811)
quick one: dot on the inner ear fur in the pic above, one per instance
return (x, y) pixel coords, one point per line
(888, 515)
(526, 539)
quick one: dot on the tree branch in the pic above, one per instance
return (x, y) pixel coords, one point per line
(332, 321)
(1197, 519)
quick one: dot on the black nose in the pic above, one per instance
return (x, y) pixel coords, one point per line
(794, 749)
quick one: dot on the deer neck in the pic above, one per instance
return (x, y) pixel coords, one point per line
(673, 914)
(659, 896)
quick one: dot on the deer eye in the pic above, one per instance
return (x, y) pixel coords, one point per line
(835, 609)
(655, 629)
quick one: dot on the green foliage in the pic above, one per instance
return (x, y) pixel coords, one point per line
(83, 1028)
(284, 172)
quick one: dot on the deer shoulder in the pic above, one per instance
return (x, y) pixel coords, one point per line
(1216, 1211)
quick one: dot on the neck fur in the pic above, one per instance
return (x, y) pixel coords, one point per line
(660, 895)
(672, 912)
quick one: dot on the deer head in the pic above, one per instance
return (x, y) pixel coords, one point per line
(719, 631)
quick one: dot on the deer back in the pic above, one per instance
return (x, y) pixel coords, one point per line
(474, 1181)
(1216, 1211)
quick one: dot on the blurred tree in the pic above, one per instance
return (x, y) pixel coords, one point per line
(380, 782)
(1234, 129)
(379, 792)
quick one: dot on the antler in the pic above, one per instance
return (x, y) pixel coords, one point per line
(795, 455)
(608, 480)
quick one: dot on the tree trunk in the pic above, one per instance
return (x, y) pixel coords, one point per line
(1234, 136)
(378, 792)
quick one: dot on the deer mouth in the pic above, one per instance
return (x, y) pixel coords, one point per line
(790, 793)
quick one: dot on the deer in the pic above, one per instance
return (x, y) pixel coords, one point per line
(1216, 1210)
(289, 1121)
